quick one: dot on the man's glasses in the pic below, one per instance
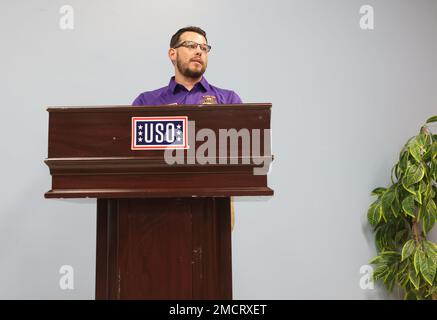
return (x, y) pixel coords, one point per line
(193, 46)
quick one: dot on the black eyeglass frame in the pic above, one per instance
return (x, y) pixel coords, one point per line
(186, 44)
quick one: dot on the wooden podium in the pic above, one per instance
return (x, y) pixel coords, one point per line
(163, 231)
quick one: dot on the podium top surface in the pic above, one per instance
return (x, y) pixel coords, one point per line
(167, 107)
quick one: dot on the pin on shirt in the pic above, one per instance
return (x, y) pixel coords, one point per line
(209, 100)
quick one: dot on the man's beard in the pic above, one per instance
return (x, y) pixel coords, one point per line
(187, 72)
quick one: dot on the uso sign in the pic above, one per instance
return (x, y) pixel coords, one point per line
(156, 133)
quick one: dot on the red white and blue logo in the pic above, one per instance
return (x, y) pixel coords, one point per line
(157, 133)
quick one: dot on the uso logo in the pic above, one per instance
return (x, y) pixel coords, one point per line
(155, 133)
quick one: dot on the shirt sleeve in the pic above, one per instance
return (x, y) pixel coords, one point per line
(138, 101)
(235, 98)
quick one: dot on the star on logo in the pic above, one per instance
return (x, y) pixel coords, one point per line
(140, 139)
(179, 132)
(140, 133)
(178, 126)
(178, 139)
(140, 127)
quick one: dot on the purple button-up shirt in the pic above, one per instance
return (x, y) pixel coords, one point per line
(174, 93)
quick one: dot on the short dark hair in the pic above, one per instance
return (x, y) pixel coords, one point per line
(175, 38)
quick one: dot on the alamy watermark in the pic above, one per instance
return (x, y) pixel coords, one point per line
(66, 21)
(254, 145)
(367, 20)
(66, 282)
(366, 281)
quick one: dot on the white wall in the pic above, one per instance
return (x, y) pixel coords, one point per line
(344, 102)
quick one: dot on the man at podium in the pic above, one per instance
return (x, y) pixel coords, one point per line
(188, 52)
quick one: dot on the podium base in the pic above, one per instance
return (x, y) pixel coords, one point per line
(164, 248)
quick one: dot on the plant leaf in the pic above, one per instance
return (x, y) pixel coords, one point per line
(422, 186)
(431, 153)
(408, 249)
(403, 161)
(379, 239)
(430, 251)
(380, 272)
(416, 261)
(410, 295)
(389, 281)
(395, 209)
(430, 246)
(433, 150)
(432, 119)
(378, 191)
(402, 278)
(434, 168)
(374, 213)
(429, 216)
(431, 207)
(418, 197)
(428, 222)
(423, 140)
(411, 189)
(414, 278)
(414, 150)
(376, 260)
(408, 205)
(400, 235)
(387, 199)
(390, 256)
(427, 268)
(396, 205)
(413, 174)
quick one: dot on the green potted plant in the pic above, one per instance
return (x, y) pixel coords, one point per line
(403, 215)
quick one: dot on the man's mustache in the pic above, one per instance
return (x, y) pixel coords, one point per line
(197, 60)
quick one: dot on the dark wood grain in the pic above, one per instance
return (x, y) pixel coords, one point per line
(164, 249)
(89, 154)
(212, 276)
(106, 132)
(163, 231)
(160, 193)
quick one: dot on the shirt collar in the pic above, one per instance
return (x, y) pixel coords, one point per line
(204, 84)
(172, 85)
